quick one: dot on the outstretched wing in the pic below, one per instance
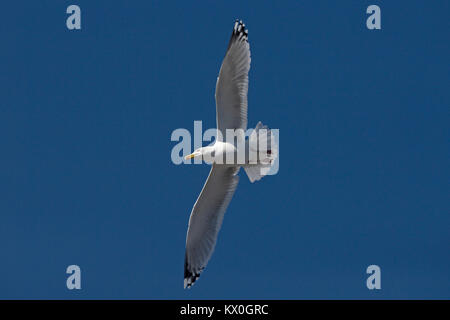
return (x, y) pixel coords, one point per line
(232, 83)
(206, 219)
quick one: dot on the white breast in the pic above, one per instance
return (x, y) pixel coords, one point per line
(224, 151)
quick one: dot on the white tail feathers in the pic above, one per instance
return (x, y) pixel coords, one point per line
(262, 152)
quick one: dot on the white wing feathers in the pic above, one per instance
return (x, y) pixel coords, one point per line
(206, 220)
(232, 83)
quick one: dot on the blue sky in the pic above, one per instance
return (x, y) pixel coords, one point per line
(85, 170)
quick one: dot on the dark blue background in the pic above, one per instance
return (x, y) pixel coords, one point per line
(85, 170)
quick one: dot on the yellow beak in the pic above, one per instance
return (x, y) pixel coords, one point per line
(189, 156)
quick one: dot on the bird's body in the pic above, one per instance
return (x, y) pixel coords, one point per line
(255, 155)
(219, 152)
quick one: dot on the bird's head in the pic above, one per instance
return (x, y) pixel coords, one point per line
(197, 153)
(205, 153)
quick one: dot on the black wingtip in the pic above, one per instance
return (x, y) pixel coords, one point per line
(239, 30)
(190, 279)
(189, 276)
(240, 33)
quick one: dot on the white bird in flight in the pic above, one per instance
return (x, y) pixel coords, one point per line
(231, 113)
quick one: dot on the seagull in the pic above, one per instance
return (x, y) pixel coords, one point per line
(231, 114)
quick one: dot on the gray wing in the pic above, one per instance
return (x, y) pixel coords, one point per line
(232, 83)
(206, 219)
